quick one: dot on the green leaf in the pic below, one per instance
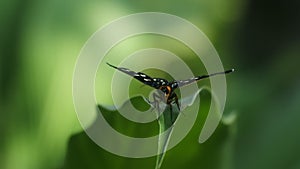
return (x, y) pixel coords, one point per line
(165, 122)
(84, 153)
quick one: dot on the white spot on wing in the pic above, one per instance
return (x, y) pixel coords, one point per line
(123, 69)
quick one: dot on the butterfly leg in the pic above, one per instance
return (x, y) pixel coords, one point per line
(174, 98)
(176, 102)
(171, 113)
(156, 100)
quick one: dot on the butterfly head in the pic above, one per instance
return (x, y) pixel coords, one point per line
(166, 90)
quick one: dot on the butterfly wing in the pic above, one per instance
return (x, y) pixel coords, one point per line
(180, 83)
(142, 77)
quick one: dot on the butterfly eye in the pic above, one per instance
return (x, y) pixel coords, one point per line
(165, 89)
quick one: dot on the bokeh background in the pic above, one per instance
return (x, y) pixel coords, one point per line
(40, 41)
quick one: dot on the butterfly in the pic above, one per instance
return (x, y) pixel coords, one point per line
(167, 88)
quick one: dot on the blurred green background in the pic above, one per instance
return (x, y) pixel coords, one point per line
(40, 41)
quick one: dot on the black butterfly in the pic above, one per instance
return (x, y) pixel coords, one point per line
(166, 87)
